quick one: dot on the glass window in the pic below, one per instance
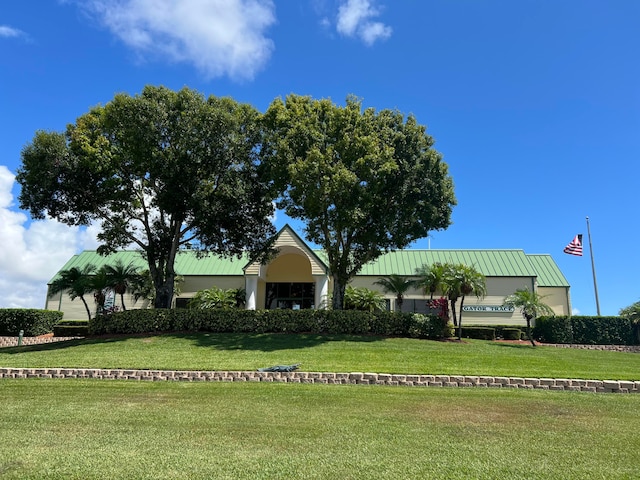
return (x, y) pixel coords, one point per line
(294, 296)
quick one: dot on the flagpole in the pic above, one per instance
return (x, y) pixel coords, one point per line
(593, 268)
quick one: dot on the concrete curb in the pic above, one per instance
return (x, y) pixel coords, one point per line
(353, 378)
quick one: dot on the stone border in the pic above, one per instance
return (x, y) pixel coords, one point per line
(13, 341)
(609, 348)
(353, 378)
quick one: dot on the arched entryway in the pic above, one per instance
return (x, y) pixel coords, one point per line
(296, 278)
(289, 283)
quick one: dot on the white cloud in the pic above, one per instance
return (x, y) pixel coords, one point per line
(32, 253)
(218, 37)
(6, 31)
(354, 20)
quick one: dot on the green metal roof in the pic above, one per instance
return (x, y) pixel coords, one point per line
(187, 262)
(491, 263)
(549, 275)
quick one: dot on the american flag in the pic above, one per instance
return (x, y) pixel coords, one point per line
(575, 247)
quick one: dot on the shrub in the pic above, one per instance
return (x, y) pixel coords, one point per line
(71, 328)
(214, 297)
(510, 333)
(32, 321)
(433, 327)
(585, 330)
(553, 329)
(479, 333)
(351, 322)
(602, 331)
(507, 332)
(365, 299)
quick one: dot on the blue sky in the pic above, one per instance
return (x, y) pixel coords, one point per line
(535, 106)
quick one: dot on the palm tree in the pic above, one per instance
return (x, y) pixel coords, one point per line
(451, 286)
(396, 284)
(99, 284)
(430, 278)
(121, 278)
(531, 306)
(471, 282)
(77, 281)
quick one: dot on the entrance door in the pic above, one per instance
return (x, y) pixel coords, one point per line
(294, 296)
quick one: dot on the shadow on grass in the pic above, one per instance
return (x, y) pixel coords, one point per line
(265, 342)
(516, 345)
(269, 342)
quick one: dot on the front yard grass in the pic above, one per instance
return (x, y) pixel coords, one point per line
(96, 429)
(326, 353)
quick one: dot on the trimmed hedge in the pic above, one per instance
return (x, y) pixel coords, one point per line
(350, 322)
(479, 333)
(506, 332)
(32, 321)
(509, 333)
(71, 328)
(585, 330)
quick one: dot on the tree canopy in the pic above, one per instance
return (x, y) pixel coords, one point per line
(161, 170)
(363, 181)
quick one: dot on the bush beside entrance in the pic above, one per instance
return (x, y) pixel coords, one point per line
(272, 321)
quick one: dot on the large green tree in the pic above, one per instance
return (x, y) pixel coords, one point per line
(363, 181)
(160, 170)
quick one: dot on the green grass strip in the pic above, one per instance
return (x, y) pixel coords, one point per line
(326, 353)
(83, 429)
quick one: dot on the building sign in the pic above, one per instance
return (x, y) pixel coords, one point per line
(487, 308)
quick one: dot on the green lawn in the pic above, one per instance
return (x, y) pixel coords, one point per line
(324, 353)
(96, 429)
(86, 429)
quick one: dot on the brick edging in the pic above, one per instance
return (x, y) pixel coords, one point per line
(353, 378)
(13, 341)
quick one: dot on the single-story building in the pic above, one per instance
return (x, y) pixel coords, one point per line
(298, 277)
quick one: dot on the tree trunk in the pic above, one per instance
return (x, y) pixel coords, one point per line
(100, 299)
(121, 289)
(529, 332)
(453, 312)
(164, 293)
(337, 300)
(166, 284)
(460, 319)
(86, 306)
